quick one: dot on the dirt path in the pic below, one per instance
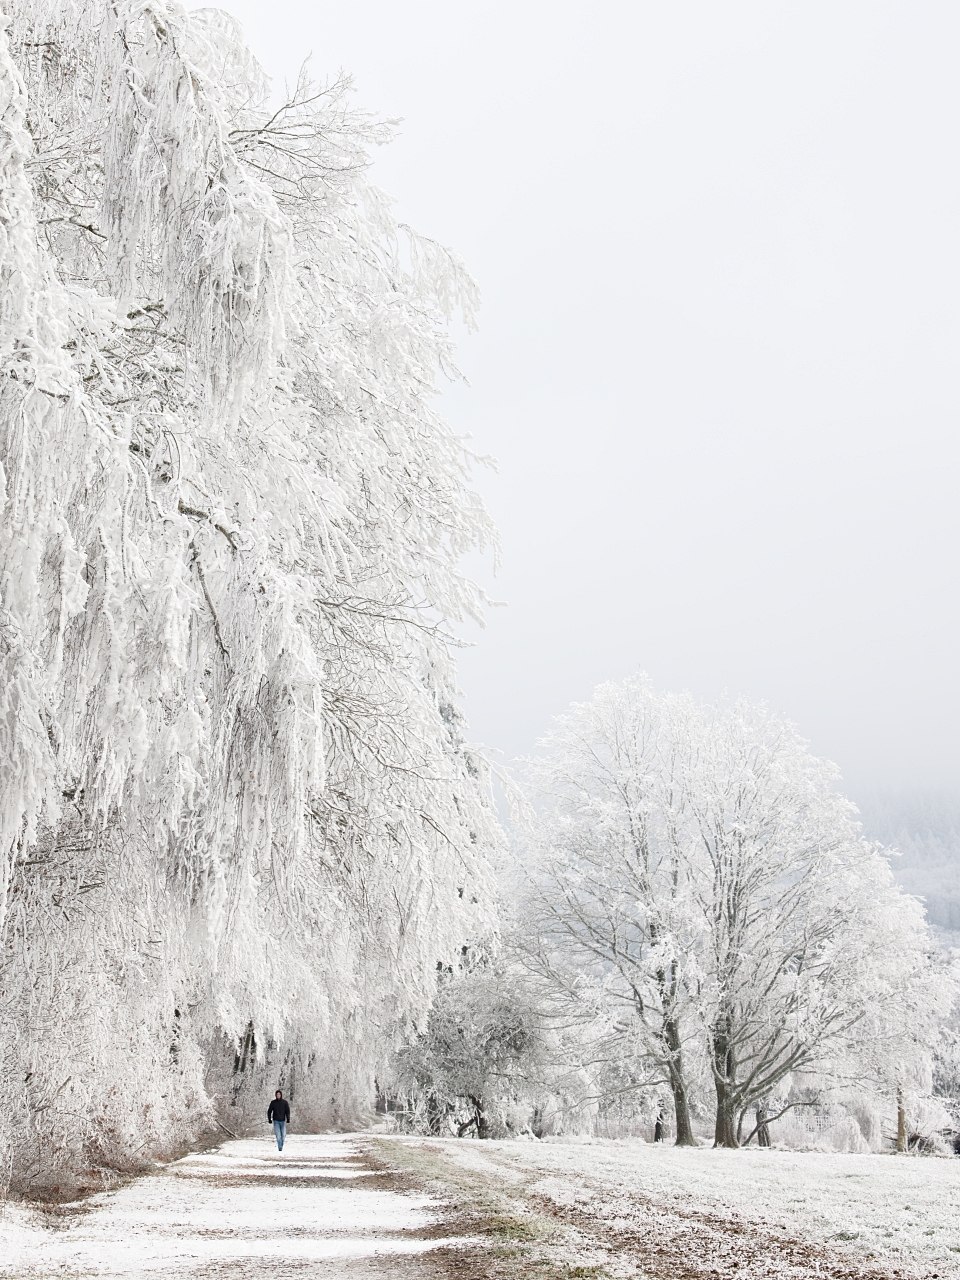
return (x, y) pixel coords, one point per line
(320, 1209)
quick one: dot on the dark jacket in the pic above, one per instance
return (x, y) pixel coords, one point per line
(279, 1109)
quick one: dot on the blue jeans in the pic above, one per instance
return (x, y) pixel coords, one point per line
(280, 1130)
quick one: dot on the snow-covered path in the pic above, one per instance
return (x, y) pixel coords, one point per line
(244, 1210)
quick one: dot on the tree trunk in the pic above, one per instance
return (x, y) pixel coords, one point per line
(725, 1130)
(901, 1122)
(246, 1054)
(763, 1133)
(724, 1067)
(483, 1124)
(536, 1123)
(678, 1086)
(435, 1113)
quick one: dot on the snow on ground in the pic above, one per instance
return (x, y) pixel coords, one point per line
(242, 1210)
(322, 1210)
(888, 1213)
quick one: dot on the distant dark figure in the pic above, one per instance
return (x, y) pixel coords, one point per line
(279, 1112)
(658, 1130)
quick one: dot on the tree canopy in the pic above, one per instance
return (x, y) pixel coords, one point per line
(234, 785)
(699, 888)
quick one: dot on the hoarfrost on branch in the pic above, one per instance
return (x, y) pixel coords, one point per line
(234, 787)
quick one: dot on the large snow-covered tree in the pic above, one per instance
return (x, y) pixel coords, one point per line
(234, 785)
(699, 881)
(613, 930)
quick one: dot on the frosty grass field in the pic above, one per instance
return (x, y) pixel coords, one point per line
(891, 1213)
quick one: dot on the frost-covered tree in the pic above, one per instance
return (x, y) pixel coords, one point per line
(234, 786)
(614, 930)
(480, 1054)
(809, 947)
(697, 870)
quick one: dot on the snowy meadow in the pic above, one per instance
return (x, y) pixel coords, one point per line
(706, 1212)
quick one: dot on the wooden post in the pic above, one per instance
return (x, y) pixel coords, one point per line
(901, 1123)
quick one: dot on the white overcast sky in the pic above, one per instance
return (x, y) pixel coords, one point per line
(718, 248)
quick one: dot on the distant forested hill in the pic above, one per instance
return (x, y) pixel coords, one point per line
(925, 827)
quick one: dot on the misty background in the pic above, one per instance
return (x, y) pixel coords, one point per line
(718, 251)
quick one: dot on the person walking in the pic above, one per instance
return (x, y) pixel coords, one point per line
(279, 1112)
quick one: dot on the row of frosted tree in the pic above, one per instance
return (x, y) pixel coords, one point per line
(239, 824)
(243, 839)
